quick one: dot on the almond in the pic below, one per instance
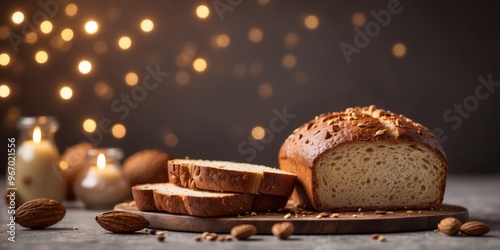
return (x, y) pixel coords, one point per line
(243, 231)
(40, 213)
(282, 230)
(121, 222)
(474, 228)
(449, 226)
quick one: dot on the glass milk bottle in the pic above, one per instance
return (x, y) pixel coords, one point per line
(37, 160)
(101, 184)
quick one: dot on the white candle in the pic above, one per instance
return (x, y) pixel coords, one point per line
(37, 170)
(101, 185)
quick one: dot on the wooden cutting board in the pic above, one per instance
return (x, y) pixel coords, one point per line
(352, 222)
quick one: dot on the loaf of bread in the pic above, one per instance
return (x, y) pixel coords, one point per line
(179, 200)
(365, 158)
(230, 177)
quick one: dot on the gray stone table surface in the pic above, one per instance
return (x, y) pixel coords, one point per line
(480, 194)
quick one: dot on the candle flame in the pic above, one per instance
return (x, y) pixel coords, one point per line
(101, 161)
(37, 135)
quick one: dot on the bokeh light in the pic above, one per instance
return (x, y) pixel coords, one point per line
(31, 37)
(131, 78)
(200, 64)
(239, 70)
(358, 19)
(46, 27)
(124, 42)
(265, 90)
(311, 22)
(222, 40)
(89, 125)
(119, 131)
(103, 90)
(84, 67)
(4, 91)
(4, 59)
(67, 34)
(258, 133)
(17, 17)
(202, 11)
(399, 50)
(255, 35)
(171, 140)
(41, 57)
(291, 39)
(289, 61)
(147, 25)
(4, 32)
(71, 9)
(91, 27)
(66, 93)
(182, 78)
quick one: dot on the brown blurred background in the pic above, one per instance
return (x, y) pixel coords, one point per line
(231, 67)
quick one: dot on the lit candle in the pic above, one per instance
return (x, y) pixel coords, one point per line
(101, 185)
(37, 171)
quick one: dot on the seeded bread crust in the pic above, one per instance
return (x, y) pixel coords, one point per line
(149, 197)
(305, 146)
(195, 174)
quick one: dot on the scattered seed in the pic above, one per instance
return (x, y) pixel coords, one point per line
(205, 234)
(324, 214)
(335, 215)
(390, 212)
(355, 216)
(153, 231)
(380, 212)
(359, 209)
(160, 237)
(287, 216)
(211, 236)
(328, 135)
(409, 212)
(197, 238)
(319, 216)
(229, 238)
(253, 214)
(381, 238)
(222, 238)
(375, 236)
(75, 228)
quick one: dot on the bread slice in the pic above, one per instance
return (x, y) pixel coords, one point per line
(143, 196)
(365, 158)
(230, 177)
(179, 200)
